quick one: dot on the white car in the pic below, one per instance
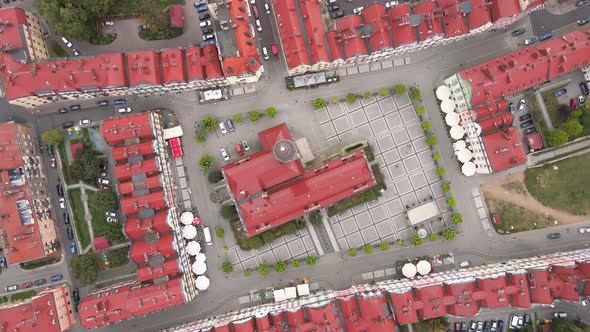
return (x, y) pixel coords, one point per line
(84, 122)
(586, 301)
(111, 220)
(391, 4)
(103, 181)
(62, 203)
(560, 314)
(205, 24)
(76, 52)
(125, 110)
(258, 25)
(358, 10)
(222, 128)
(67, 42)
(224, 154)
(252, 2)
(583, 230)
(521, 105)
(267, 8)
(108, 23)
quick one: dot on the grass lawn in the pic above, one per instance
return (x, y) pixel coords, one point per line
(78, 209)
(516, 218)
(404, 328)
(58, 51)
(564, 189)
(130, 7)
(99, 225)
(552, 104)
(585, 121)
(65, 163)
(118, 257)
(22, 295)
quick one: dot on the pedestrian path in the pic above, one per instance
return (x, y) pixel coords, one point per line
(574, 148)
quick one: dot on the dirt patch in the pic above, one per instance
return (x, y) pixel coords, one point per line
(518, 210)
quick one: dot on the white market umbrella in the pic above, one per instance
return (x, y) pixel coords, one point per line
(460, 145)
(443, 92)
(189, 232)
(187, 218)
(468, 169)
(464, 155)
(447, 106)
(409, 270)
(423, 267)
(202, 283)
(457, 132)
(200, 257)
(193, 248)
(452, 119)
(199, 267)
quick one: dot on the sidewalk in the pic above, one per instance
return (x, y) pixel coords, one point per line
(577, 147)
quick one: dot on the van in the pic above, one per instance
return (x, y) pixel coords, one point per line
(513, 321)
(265, 53)
(207, 233)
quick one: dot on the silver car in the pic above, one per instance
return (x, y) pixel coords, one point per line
(222, 128)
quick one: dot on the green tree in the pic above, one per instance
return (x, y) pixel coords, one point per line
(104, 200)
(268, 237)
(74, 19)
(400, 242)
(573, 127)
(441, 171)
(206, 161)
(227, 267)
(557, 137)
(53, 136)
(436, 324)
(449, 233)
(577, 113)
(352, 252)
(229, 212)
(368, 95)
(384, 92)
(432, 237)
(219, 232)
(335, 100)
(271, 112)
(85, 268)
(238, 118)
(114, 232)
(431, 140)
(562, 325)
(200, 138)
(436, 156)
(384, 245)
(415, 93)
(263, 269)
(416, 240)
(445, 186)
(451, 201)
(214, 176)
(86, 166)
(118, 257)
(351, 98)
(312, 260)
(247, 272)
(209, 124)
(319, 103)
(254, 116)
(399, 89)
(296, 262)
(369, 249)
(426, 126)
(280, 266)
(457, 218)
(255, 242)
(315, 218)
(420, 110)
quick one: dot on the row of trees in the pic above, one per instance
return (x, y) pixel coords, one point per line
(351, 98)
(571, 128)
(279, 266)
(210, 123)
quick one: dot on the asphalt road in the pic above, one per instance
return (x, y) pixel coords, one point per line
(542, 21)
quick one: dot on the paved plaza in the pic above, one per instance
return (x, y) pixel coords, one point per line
(391, 126)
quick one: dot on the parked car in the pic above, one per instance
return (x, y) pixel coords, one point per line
(274, 49)
(337, 14)
(239, 149)
(583, 21)
(479, 326)
(67, 220)
(560, 92)
(486, 325)
(40, 282)
(245, 145)
(518, 32)
(333, 7)
(209, 37)
(104, 187)
(527, 319)
(202, 8)
(560, 314)
(224, 154)
(102, 103)
(391, 4)
(529, 41)
(124, 110)
(57, 277)
(521, 105)
(584, 88)
(500, 325)
(207, 31)
(553, 236)
(143, 27)
(545, 36)
(472, 326)
(581, 100)
(524, 117)
(581, 3)
(103, 167)
(255, 11)
(76, 295)
(526, 124)
(10, 288)
(75, 108)
(62, 203)
(358, 10)
(267, 8)
(62, 110)
(111, 214)
(70, 233)
(584, 230)
(52, 162)
(573, 103)
(265, 53)
(103, 181)
(203, 17)
(200, 3)
(76, 52)
(84, 122)
(205, 23)
(73, 248)
(67, 124)
(66, 41)
(222, 128)
(463, 327)
(258, 25)
(494, 326)
(112, 220)
(529, 130)
(121, 101)
(457, 326)
(26, 285)
(511, 107)
(60, 189)
(108, 23)
(3, 262)
(230, 125)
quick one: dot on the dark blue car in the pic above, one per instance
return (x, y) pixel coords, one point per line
(560, 92)
(57, 277)
(545, 36)
(120, 101)
(102, 103)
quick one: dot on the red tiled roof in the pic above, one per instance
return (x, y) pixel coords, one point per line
(116, 130)
(135, 228)
(150, 183)
(504, 8)
(334, 42)
(132, 205)
(168, 268)
(352, 42)
(534, 141)
(100, 243)
(122, 153)
(24, 241)
(521, 298)
(405, 313)
(176, 147)
(403, 32)
(380, 37)
(430, 25)
(375, 313)
(11, 34)
(124, 172)
(323, 318)
(431, 302)
(210, 61)
(172, 64)
(246, 325)
(453, 19)
(30, 315)
(489, 110)
(147, 299)
(295, 318)
(314, 27)
(480, 14)
(494, 288)
(291, 33)
(176, 17)
(104, 306)
(195, 64)
(504, 149)
(141, 251)
(540, 293)
(568, 53)
(464, 303)
(143, 68)
(247, 60)
(278, 320)
(263, 323)
(496, 122)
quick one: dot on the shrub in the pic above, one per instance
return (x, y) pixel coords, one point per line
(255, 242)
(351, 98)
(399, 89)
(384, 92)
(449, 233)
(415, 93)
(85, 268)
(368, 95)
(573, 127)
(53, 136)
(369, 249)
(441, 171)
(445, 186)
(271, 112)
(315, 218)
(352, 252)
(219, 232)
(263, 269)
(436, 156)
(254, 116)
(420, 110)
(200, 138)
(312, 260)
(209, 124)
(296, 262)
(214, 176)
(457, 218)
(229, 212)
(319, 103)
(238, 118)
(557, 138)
(247, 272)
(432, 237)
(384, 245)
(416, 240)
(426, 126)
(206, 161)
(335, 100)
(226, 267)
(280, 266)
(451, 201)
(431, 140)
(400, 243)
(268, 237)
(288, 228)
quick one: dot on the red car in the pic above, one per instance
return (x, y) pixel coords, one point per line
(52, 162)
(274, 49)
(104, 187)
(573, 103)
(239, 150)
(27, 284)
(255, 11)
